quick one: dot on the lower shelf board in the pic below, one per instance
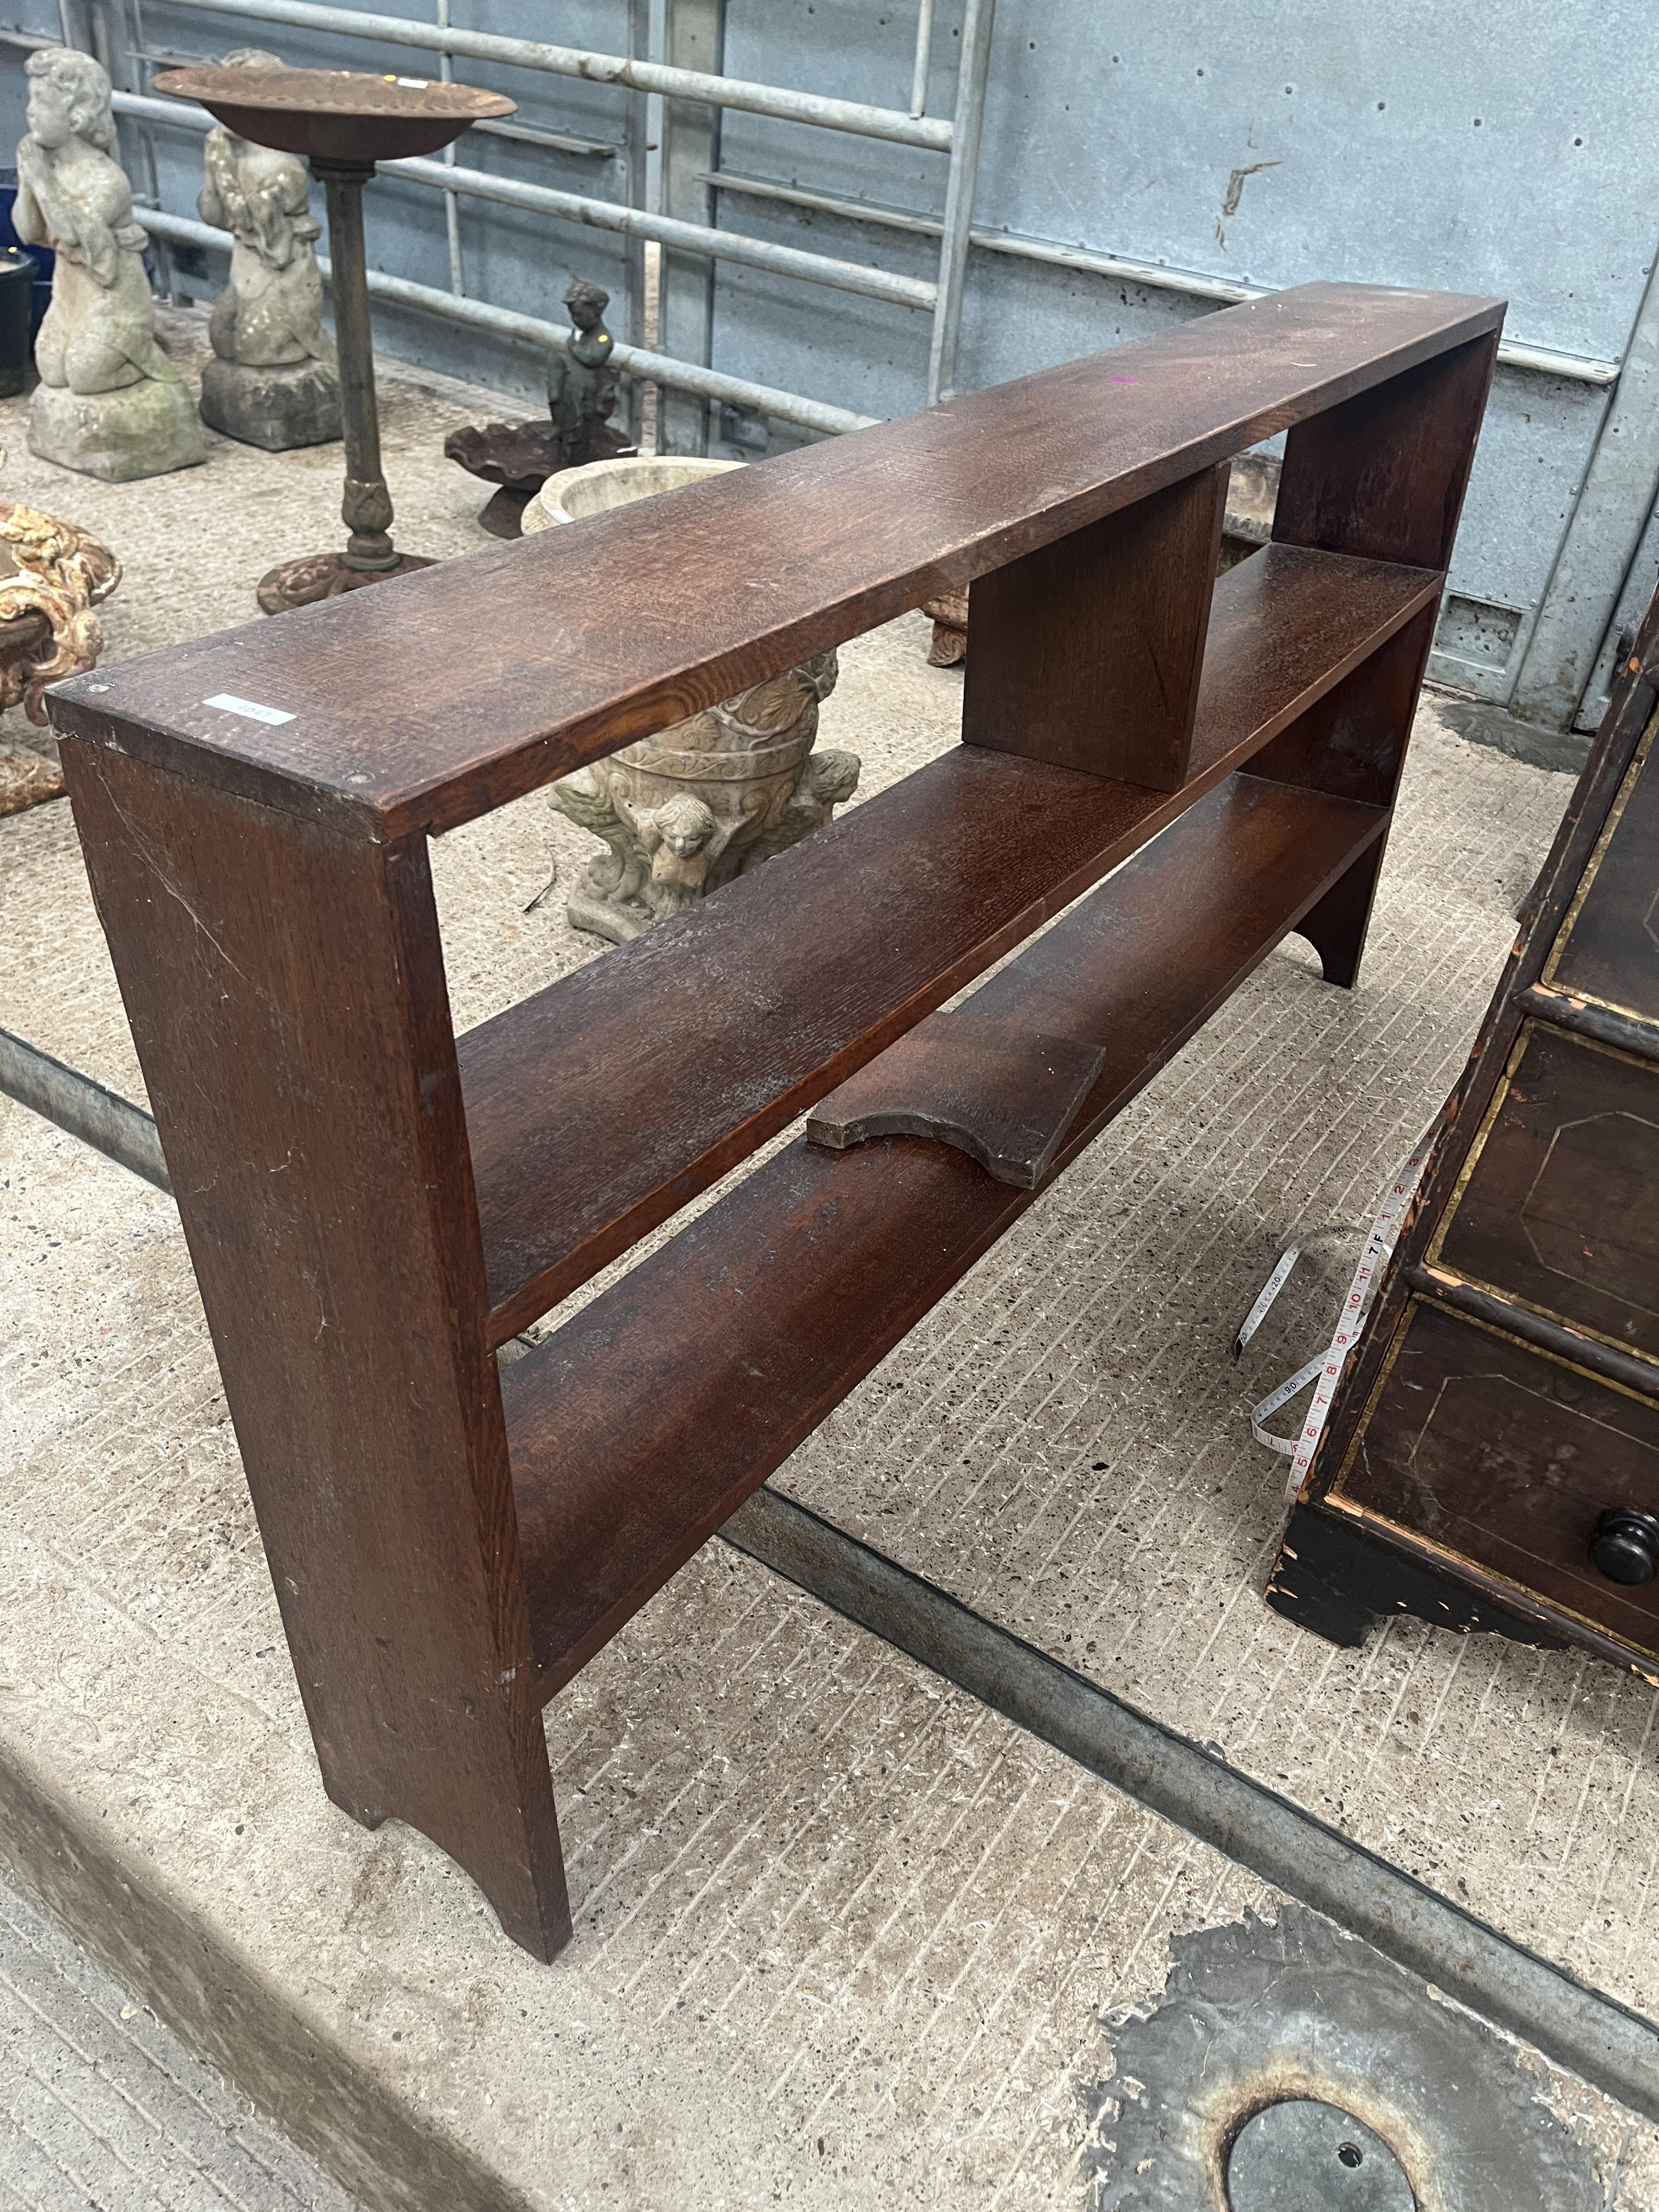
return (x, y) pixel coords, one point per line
(640, 1425)
(598, 1107)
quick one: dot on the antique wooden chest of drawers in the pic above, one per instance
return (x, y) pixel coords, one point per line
(1493, 1456)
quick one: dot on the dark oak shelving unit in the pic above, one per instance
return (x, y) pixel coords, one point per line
(374, 1206)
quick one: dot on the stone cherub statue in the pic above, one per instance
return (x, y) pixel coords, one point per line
(689, 809)
(581, 391)
(109, 403)
(272, 381)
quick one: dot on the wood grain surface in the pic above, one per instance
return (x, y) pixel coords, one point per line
(639, 1426)
(372, 1208)
(286, 993)
(1087, 651)
(436, 698)
(598, 1107)
(1000, 1091)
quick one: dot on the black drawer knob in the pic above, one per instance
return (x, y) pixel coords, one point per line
(1625, 1545)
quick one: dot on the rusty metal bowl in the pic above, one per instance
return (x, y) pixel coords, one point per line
(340, 117)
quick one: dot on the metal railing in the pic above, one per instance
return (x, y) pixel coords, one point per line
(1513, 353)
(958, 139)
(596, 68)
(580, 208)
(941, 298)
(505, 322)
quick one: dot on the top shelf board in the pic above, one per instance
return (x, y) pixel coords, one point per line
(560, 648)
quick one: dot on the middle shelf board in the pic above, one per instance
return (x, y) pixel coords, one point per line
(642, 1423)
(599, 1106)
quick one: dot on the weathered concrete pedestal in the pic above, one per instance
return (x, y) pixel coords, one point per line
(144, 430)
(276, 408)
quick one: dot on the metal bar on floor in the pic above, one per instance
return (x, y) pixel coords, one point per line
(972, 73)
(1581, 2028)
(633, 360)
(109, 1123)
(1595, 2036)
(789, 106)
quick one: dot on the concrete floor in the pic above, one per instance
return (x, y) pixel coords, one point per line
(100, 2105)
(843, 1937)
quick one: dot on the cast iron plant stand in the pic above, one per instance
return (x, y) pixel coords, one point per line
(343, 124)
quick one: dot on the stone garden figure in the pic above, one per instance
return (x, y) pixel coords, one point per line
(582, 387)
(109, 403)
(581, 391)
(272, 381)
(691, 808)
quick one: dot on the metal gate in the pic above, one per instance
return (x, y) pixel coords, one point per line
(863, 207)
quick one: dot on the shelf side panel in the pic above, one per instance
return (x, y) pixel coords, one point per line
(1087, 651)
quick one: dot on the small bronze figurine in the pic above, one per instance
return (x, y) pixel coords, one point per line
(581, 392)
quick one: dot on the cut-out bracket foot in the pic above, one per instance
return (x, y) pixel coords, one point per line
(1003, 1094)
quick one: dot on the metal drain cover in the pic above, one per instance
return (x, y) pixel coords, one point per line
(1306, 2156)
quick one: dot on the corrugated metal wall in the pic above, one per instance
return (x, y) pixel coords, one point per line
(1509, 150)
(1459, 146)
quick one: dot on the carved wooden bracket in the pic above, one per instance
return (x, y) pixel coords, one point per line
(1003, 1094)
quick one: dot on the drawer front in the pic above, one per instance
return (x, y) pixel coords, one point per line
(1558, 1202)
(1508, 1458)
(1609, 947)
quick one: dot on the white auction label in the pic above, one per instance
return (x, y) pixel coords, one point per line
(250, 709)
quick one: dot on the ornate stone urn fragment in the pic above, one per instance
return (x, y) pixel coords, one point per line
(273, 380)
(691, 808)
(949, 615)
(52, 574)
(109, 402)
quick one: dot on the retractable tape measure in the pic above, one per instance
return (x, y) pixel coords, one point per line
(1326, 1371)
